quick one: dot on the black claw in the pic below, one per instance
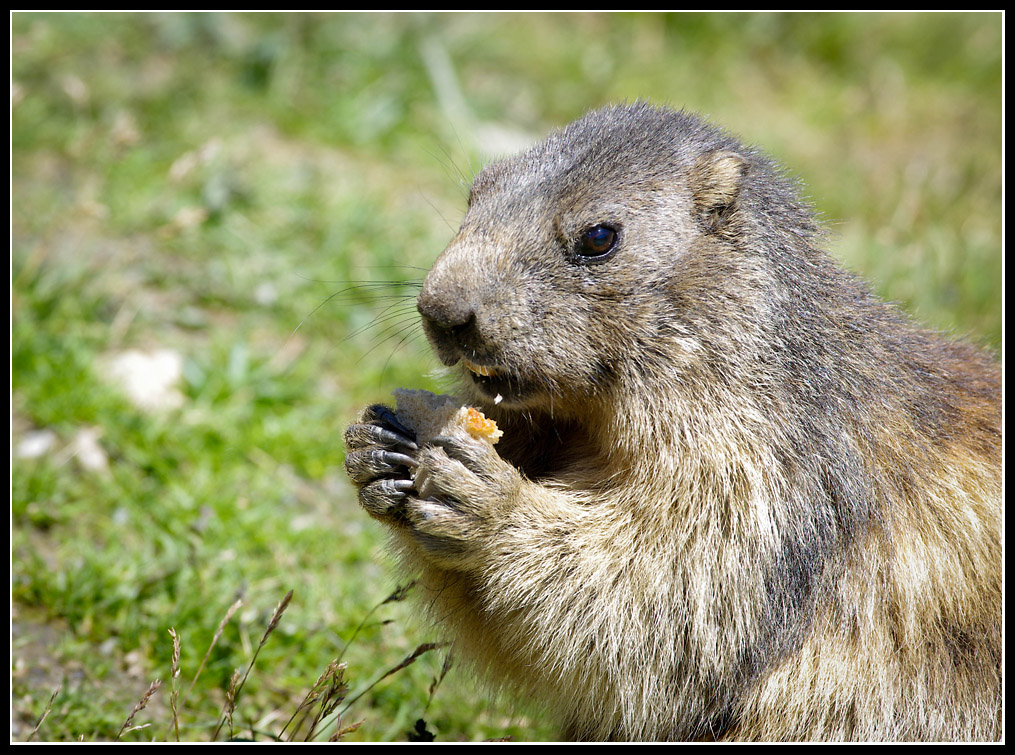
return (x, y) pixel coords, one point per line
(400, 487)
(395, 459)
(385, 498)
(399, 438)
(366, 465)
(364, 435)
(448, 443)
(393, 438)
(385, 414)
(384, 427)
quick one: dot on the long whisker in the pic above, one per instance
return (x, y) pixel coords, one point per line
(411, 333)
(394, 322)
(399, 306)
(361, 292)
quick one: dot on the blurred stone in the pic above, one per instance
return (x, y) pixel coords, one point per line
(125, 131)
(188, 217)
(90, 454)
(265, 294)
(34, 444)
(149, 379)
(76, 89)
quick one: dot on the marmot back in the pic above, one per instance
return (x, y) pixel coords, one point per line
(737, 495)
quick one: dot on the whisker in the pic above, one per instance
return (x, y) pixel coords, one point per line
(359, 292)
(392, 321)
(411, 334)
(391, 332)
(452, 169)
(395, 319)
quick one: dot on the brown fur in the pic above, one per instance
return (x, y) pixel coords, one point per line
(737, 496)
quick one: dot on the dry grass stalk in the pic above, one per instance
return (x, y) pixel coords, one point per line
(175, 693)
(329, 685)
(445, 668)
(407, 661)
(218, 633)
(45, 713)
(230, 706)
(400, 594)
(141, 704)
(341, 731)
(411, 658)
(235, 687)
(333, 694)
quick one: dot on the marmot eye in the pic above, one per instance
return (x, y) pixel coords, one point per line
(596, 241)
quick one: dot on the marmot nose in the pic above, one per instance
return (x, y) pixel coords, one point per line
(450, 314)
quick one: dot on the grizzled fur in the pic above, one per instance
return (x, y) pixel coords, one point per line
(737, 495)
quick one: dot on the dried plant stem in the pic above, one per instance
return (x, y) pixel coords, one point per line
(230, 705)
(341, 731)
(445, 668)
(236, 687)
(45, 713)
(400, 593)
(333, 696)
(175, 693)
(141, 704)
(322, 688)
(330, 688)
(407, 661)
(218, 633)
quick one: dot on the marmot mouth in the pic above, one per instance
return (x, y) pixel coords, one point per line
(497, 383)
(479, 369)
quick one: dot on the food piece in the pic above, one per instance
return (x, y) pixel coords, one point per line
(430, 415)
(478, 425)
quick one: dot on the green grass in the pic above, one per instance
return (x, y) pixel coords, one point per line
(215, 184)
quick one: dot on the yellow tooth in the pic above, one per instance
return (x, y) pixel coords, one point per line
(479, 369)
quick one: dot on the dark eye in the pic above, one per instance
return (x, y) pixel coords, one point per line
(597, 241)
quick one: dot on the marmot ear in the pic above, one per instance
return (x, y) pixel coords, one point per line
(716, 180)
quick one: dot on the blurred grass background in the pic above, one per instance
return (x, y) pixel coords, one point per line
(209, 185)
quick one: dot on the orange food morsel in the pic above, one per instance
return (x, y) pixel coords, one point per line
(479, 425)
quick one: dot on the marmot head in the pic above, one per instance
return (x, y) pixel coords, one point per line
(596, 253)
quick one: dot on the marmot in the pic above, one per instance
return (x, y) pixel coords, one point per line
(737, 496)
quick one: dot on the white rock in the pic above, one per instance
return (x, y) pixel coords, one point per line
(149, 378)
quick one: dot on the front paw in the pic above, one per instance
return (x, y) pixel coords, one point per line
(463, 487)
(381, 455)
